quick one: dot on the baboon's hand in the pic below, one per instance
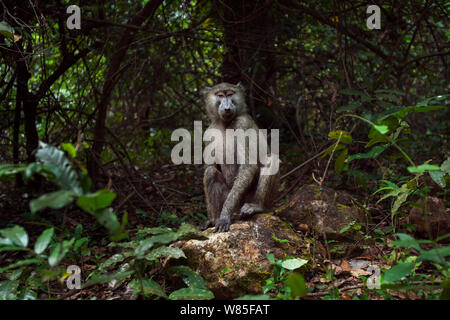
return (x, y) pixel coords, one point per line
(222, 225)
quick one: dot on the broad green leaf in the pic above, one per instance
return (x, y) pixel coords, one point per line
(297, 284)
(20, 263)
(406, 241)
(94, 201)
(149, 287)
(9, 289)
(7, 169)
(292, 264)
(118, 257)
(163, 238)
(423, 167)
(190, 277)
(344, 135)
(335, 148)
(340, 161)
(165, 251)
(186, 229)
(437, 255)
(54, 200)
(383, 129)
(43, 241)
(445, 166)
(58, 164)
(438, 177)
(270, 256)
(372, 154)
(107, 218)
(191, 294)
(5, 242)
(118, 276)
(398, 271)
(59, 251)
(6, 30)
(70, 149)
(17, 235)
(401, 198)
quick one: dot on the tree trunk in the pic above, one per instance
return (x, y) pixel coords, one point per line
(249, 56)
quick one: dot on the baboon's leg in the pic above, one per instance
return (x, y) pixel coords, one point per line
(264, 195)
(216, 191)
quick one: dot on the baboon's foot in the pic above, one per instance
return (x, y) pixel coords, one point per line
(206, 225)
(222, 225)
(249, 209)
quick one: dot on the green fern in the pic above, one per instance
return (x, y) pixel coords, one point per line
(57, 163)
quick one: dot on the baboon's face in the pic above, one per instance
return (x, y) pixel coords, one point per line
(225, 101)
(226, 104)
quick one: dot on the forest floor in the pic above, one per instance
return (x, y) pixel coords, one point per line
(171, 195)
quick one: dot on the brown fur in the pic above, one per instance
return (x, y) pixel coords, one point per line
(233, 187)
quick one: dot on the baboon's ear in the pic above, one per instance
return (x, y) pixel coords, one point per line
(240, 86)
(204, 91)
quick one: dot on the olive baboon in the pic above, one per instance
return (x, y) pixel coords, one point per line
(230, 187)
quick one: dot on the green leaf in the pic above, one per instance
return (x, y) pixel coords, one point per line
(6, 30)
(438, 177)
(59, 251)
(7, 169)
(54, 200)
(149, 287)
(70, 149)
(383, 129)
(20, 263)
(118, 276)
(191, 294)
(92, 202)
(340, 161)
(406, 241)
(270, 256)
(17, 235)
(43, 241)
(116, 258)
(165, 251)
(57, 163)
(345, 136)
(372, 154)
(445, 166)
(108, 219)
(437, 255)
(190, 277)
(292, 264)
(398, 271)
(297, 284)
(423, 167)
(9, 290)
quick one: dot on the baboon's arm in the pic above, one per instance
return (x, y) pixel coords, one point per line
(242, 182)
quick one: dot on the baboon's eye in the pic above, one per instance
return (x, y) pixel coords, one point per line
(230, 93)
(220, 95)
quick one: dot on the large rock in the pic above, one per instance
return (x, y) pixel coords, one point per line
(234, 263)
(322, 210)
